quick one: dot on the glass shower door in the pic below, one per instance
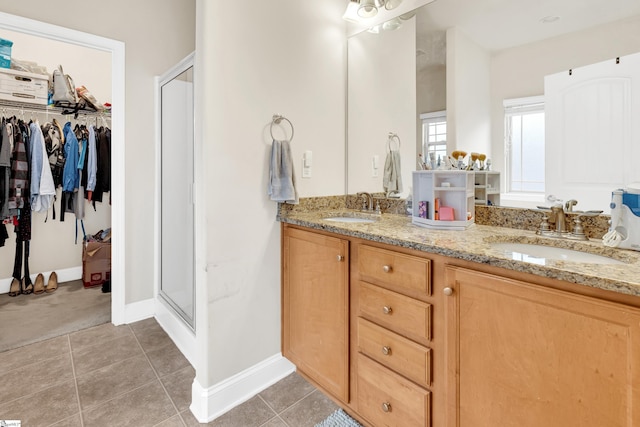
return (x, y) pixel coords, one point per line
(176, 205)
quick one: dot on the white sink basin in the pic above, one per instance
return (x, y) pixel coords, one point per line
(538, 254)
(350, 219)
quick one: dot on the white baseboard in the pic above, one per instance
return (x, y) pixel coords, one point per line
(64, 275)
(139, 310)
(183, 337)
(209, 404)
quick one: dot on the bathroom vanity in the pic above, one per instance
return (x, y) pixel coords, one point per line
(407, 326)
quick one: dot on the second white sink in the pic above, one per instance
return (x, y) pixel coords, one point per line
(538, 254)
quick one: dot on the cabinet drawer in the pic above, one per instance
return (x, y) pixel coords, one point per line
(387, 399)
(407, 316)
(395, 270)
(398, 353)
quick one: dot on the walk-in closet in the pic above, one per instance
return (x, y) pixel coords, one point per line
(46, 250)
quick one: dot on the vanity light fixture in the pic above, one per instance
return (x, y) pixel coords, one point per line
(357, 10)
(367, 8)
(392, 24)
(392, 4)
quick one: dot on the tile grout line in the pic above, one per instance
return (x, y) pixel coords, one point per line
(157, 377)
(75, 381)
(92, 407)
(285, 409)
(27, 396)
(275, 413)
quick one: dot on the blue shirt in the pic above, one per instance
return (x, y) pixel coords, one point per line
(70, 175)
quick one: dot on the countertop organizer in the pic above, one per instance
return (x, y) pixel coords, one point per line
(443, 199)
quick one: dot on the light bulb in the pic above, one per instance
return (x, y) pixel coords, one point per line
(367, 9)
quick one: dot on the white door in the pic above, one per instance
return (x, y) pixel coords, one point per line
(176, 205)
(592, 136)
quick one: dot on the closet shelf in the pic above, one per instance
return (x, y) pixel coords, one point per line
(68, 108)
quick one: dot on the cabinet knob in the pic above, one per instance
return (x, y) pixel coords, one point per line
(387, 269)
(340, 257)
(386, 350)
(386, 407)
(448, 291)
(387, 310)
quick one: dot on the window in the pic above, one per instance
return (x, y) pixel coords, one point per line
(524, 145)
(434, 134)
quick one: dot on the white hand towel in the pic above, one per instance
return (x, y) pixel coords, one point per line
(392, 178)
(282, 180)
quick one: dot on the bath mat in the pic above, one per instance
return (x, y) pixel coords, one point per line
(339, 419)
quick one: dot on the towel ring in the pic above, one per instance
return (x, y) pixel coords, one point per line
(393, 136)
(277, 118)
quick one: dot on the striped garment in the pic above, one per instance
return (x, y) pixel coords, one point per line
(19, 182)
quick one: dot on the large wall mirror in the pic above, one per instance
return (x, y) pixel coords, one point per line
(465, 57)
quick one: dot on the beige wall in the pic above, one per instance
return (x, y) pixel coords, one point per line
(249, 67)
(157, 34)
(519, 71)
(468, 120)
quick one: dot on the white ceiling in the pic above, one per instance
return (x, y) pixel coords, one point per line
(499, 24)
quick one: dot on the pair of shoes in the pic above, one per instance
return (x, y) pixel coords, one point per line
(15, 288)
(38, 288)
(27, 288)
(52, 285)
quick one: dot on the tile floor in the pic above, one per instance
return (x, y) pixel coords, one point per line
(131, 375)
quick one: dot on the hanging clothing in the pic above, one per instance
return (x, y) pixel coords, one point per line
(43, 189)
(55, 152)
(19, 182)
(6, 144)
(103, 173)
(23, 236)
(70, 178)
(92, 163)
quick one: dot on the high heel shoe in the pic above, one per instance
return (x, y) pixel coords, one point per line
(52, 285)
(27, 289)
(15, 290)
(38, 287)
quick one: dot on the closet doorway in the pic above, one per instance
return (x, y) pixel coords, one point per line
(117, 97)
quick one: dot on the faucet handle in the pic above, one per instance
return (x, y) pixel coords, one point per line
(568, 206)
(553, 199)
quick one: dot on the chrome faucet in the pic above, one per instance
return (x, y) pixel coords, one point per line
(557, 215)
(367, 203)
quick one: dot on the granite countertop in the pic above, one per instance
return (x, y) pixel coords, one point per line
(474, 244)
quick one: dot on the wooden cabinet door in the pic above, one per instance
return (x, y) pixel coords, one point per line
(522, 355)
(315, 297)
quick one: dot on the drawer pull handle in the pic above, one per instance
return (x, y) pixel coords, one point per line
(340, 258)
(387, 310)
(448, 291)
(387, 268)
(386, 350)
(386, 407)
